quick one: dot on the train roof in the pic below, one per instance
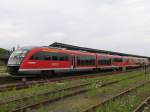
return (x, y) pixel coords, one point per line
(72, 47)
(56, 49)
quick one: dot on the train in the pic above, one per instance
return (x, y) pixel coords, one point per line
(28, 61)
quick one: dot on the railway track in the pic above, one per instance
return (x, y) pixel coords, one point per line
(20, 85)
(67, 92)
(26, 84)
(144, 106)
(95, 107)
(7, 79)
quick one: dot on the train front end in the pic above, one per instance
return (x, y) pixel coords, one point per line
(15, 61)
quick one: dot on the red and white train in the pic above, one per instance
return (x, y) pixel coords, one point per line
(34, 60)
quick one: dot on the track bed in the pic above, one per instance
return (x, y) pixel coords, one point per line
(79, 95)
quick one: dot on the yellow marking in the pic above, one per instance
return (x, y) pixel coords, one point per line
(51, 50)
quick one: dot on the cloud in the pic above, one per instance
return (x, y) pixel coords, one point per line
(116, 25)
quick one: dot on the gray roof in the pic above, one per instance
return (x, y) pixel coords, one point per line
(72, 47)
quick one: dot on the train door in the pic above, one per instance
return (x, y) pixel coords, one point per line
(73, 61)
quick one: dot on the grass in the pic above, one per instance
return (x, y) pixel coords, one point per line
(3, 50)
(33, 90)
(127, 103)
(95, 93)
(3, 69)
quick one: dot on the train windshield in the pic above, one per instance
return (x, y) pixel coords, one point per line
(18, 54)
(17, 57)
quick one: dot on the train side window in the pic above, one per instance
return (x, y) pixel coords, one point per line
(37, 56)
(125, 60)
(93, 61)
(66, 58)
(49, 56)
(85, 60)
(104, 61)
(78, 60)
(61, 58)
(81, 61)
(118, 60)
(54, 58)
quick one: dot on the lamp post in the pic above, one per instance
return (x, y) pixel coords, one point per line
(145, 70)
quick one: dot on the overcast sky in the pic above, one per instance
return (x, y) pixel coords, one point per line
(116, 25)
